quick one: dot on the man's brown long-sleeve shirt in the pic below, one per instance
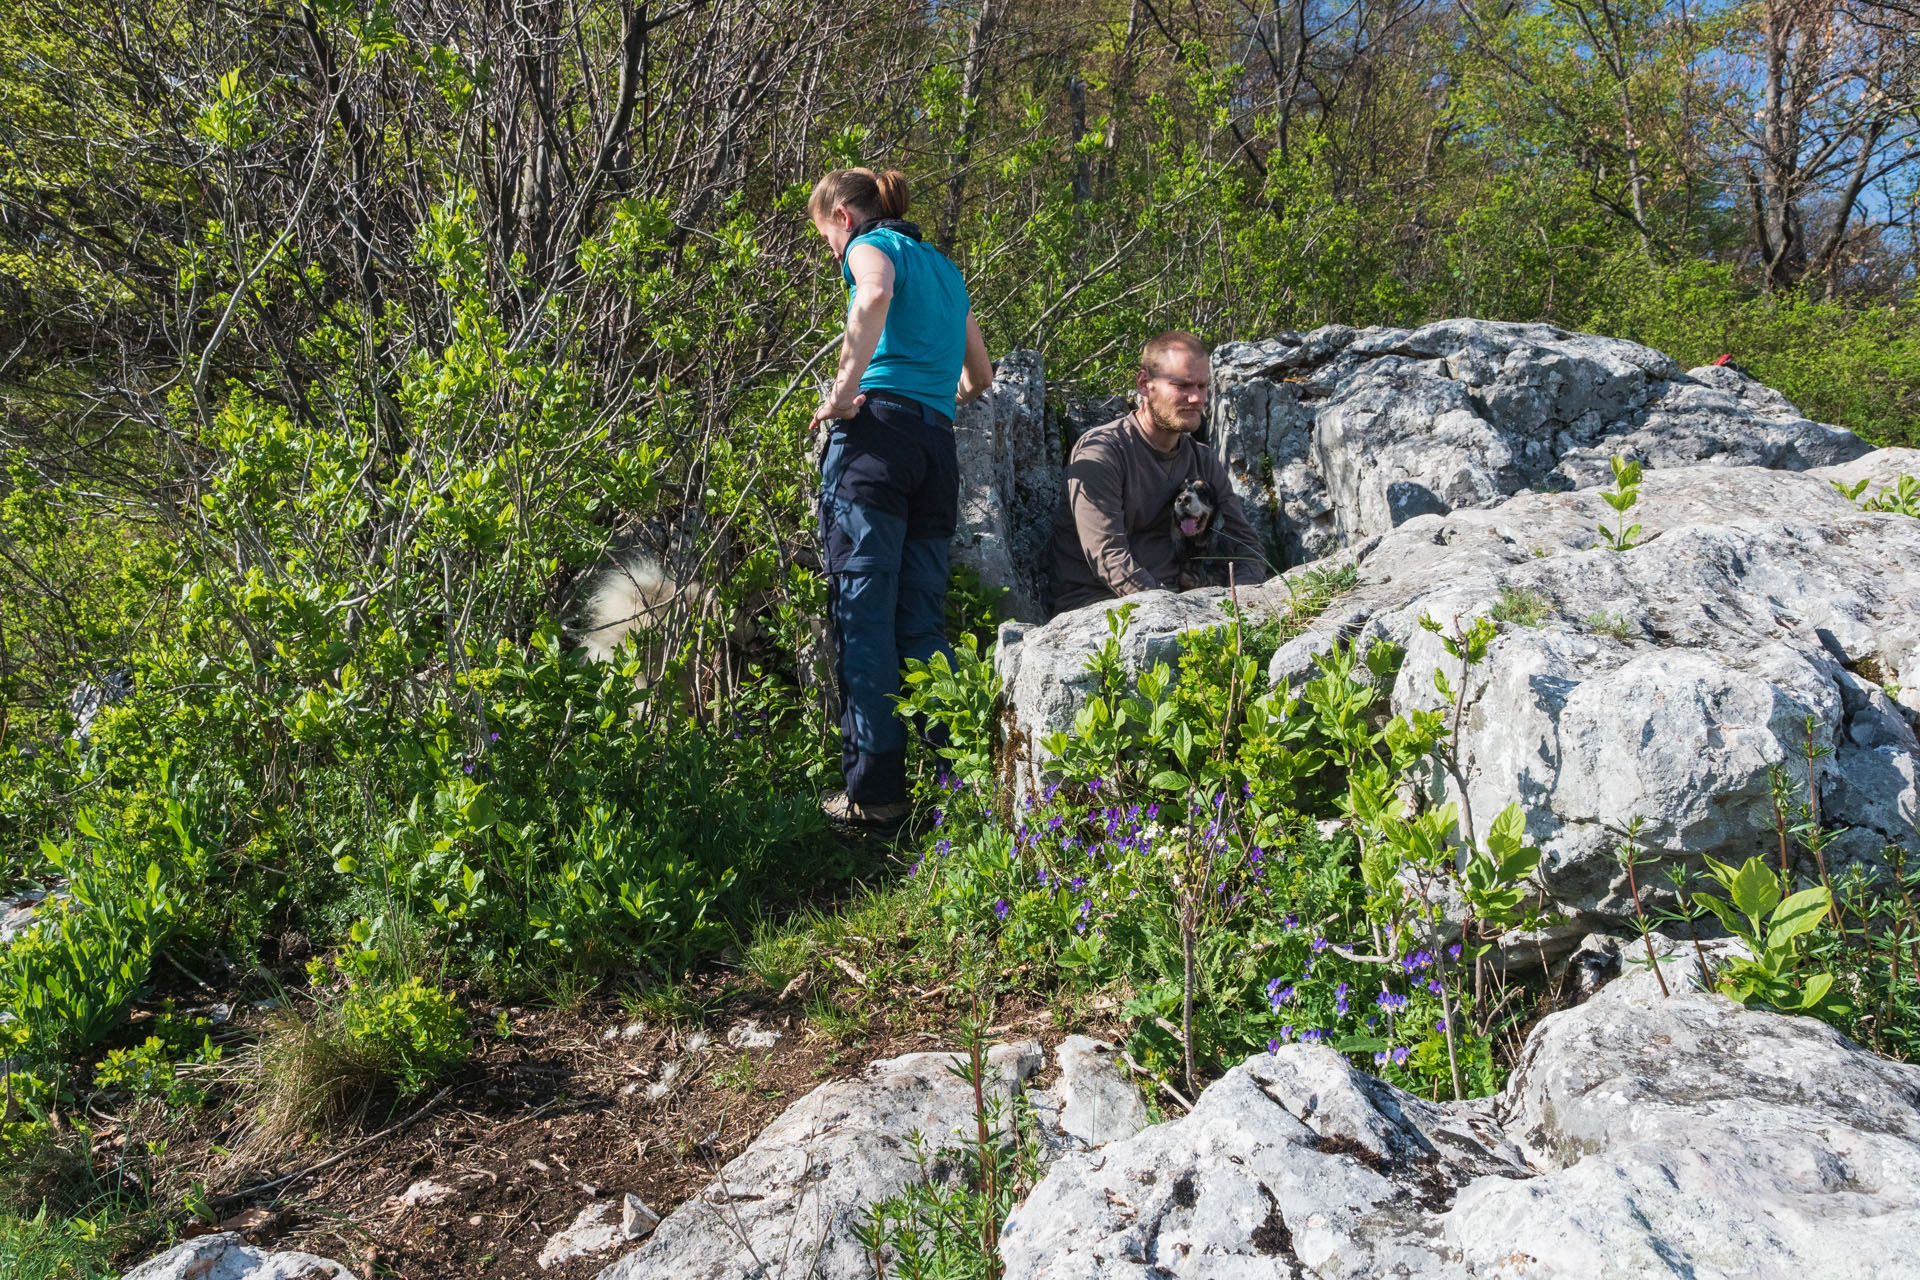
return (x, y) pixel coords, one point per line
(1113, 535)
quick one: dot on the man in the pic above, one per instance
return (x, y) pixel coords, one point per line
(1113, 536)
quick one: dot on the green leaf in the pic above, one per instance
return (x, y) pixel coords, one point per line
(1799, 914)
(1755, 890)
(1168, 780)
(1728, 914)
(1816, 989)
(1508, 833)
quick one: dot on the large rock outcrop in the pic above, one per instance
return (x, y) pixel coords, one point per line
(1662, 682)
(1640, 1136)
(1665, 681)
(1339, 434)
(1009, 453)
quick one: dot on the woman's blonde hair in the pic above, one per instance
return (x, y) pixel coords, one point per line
(868, 194)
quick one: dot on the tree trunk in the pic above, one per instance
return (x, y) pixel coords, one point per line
(970, 82)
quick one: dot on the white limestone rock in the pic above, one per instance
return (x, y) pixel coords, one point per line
(227, 1256)
(1341, 434)
(1098, 1103)
(800, 1188)
(1010, 483)
(595, 1229)
(1290, 1164)
(1664, 681)
(1641, 1136)
(1692, 1137)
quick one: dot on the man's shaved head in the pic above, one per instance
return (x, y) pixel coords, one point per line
(1154, 355)
(1171, 387)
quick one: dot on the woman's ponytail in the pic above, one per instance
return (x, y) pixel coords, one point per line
(868, 194)
(891, 190)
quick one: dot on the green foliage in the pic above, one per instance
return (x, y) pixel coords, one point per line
(151, 1068)
(575, 835)
(1857, 366)
(1520, 606)
(946, 1224)
(1624, 494)
(50, 1246)
(1759, 909)
(132, 882)
(412, 1032)
(1901, 497)
(1181, 855)
(959, 698)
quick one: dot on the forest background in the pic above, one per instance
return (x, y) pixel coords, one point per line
(338, 340)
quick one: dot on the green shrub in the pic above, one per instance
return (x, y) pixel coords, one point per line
(131, 884)
(1857, 367)
(1234, 856)
(412, 1032)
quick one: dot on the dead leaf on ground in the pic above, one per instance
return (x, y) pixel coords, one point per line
(852, 970)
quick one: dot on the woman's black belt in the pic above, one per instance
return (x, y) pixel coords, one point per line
(926, 411)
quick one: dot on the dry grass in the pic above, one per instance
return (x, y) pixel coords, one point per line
(305, 1077)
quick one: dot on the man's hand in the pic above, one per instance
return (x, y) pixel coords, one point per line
(839, 405)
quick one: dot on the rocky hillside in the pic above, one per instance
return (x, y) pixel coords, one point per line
(1756, 602)
(1659, 682)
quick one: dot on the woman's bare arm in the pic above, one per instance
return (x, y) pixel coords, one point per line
(976, 371)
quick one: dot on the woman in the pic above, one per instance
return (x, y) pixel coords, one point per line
(889, 482)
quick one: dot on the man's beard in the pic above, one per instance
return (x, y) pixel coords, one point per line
(1168, 420)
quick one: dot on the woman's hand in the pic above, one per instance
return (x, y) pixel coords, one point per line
(840, 404)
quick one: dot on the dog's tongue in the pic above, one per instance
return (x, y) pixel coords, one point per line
(1190, 526)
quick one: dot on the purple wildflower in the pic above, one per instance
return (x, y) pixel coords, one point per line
(1002, 907)
(1340, 999)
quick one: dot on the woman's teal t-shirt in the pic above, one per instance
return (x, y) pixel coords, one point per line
(925, 339)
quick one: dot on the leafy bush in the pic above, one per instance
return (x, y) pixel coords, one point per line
(128, 887)
(412, 1032)
(1236, 858)
(576, 835)
(1858, 367)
